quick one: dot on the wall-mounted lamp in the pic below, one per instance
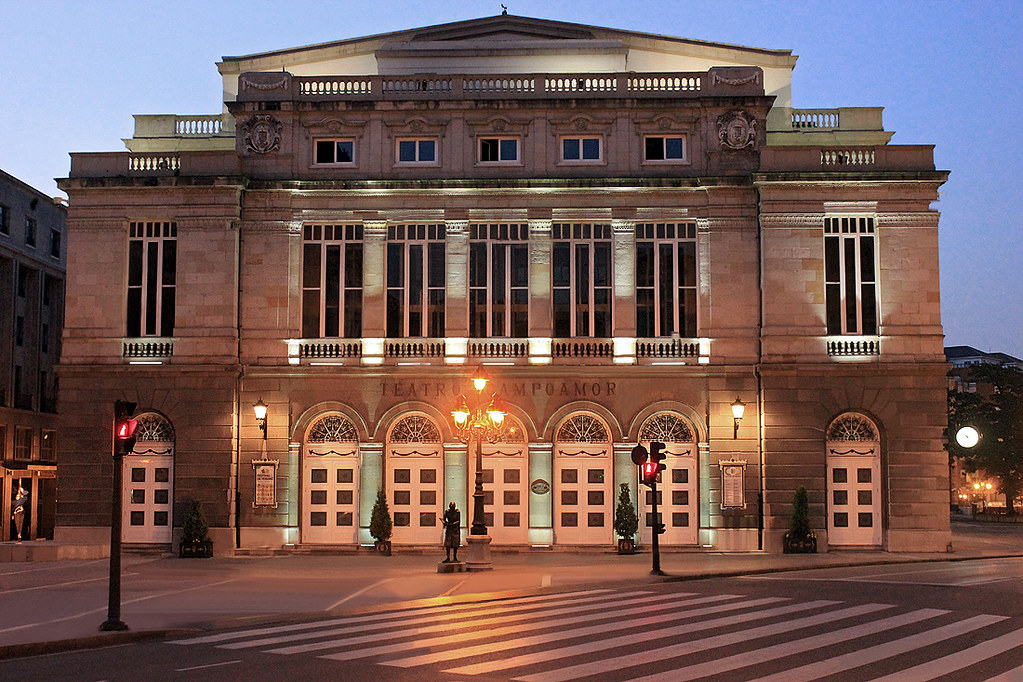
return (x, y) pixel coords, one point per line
(260, 410)
(738, 409)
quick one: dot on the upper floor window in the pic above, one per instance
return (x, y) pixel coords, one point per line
(581, 279)
(335, 150)
(499, 149)
(417, 150)
(415, 280)
(55, 243)
(666, 279)
(668, 148)
(152, 267)
(30, 232)
(850, 275)
(48, 445)
(498, 280)
(5, 219)
(332, 281)
(580, 148)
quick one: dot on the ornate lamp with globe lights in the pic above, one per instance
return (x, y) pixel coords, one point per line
(484, 421)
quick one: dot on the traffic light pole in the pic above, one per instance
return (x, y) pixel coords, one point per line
(113, 621)
(655, 532)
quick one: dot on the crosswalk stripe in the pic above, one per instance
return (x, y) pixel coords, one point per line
(493, 647)
(503, 607)
(723, 665)
(691, 647)
(402, 647)
(1014, 675)
(482, 625)
(959, 660)
(880, 652)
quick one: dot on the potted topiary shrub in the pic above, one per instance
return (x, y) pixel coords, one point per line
(800, 539)
(195, 538)
(626, 522)
(380, 524)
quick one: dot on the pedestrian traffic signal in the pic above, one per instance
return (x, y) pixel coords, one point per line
(648, 473)
(124, 427)
(657, 457)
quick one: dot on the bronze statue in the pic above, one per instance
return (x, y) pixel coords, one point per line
(452, 526)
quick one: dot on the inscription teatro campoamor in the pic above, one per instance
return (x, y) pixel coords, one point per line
(525, 389)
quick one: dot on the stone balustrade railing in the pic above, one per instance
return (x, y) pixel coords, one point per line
(853, 346)
(147, 349)
(269, 86)
(816, 119)
(853, 158)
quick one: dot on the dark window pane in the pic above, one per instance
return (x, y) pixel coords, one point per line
(680, 519)
(488, 497)
(865, 497)
(402, 475)
(344, 475)
(680, 497)
(344, 518)
(344, 497)
(863, 475)
(428, 497)
(318, 476)
(569, 475)
(324, 151)
(137, 518)
(488, 519)
(138, 496)
(318, 497)
(673, 148)
(511, 520)
(427, 475)
(161, 496)
(511, 476)
(654, 148)
(427, 519)
(138, 475)
(511, 496)
(569, 497)
(406, 150)
(591, 148)
(345, 151)
(840, 497)
(595, 520)
(865, 520)
(402, 519)
(318, 518)
(569, 519)
(841, 519)
(161, 475)
(402, 497)
(840, 475)
(571, 148)
(427, 150)
(594, 475)
(680, 476)
(595, 497)
(509, 150)
(160, 518)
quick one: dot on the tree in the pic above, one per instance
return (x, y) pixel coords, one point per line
(998, 417)
(626, 522)
(380, 519)
(799, 526)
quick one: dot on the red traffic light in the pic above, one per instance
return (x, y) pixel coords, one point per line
(649, 471)
(126, 428)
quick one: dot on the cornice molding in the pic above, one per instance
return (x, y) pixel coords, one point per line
(921, 219)
(792, 220)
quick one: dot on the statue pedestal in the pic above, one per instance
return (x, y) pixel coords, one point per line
(452, 567)
(477, 554)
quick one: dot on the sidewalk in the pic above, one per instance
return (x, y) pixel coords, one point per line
(59, 605)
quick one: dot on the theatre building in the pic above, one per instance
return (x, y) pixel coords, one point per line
(629, 233)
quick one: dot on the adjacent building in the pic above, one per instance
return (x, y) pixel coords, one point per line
(32, 261)
(629, 233)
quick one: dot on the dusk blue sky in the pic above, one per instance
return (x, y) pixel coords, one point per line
(948, 74)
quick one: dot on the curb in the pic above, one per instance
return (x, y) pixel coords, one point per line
(27, 650)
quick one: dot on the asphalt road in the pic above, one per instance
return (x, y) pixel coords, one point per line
(954, 621)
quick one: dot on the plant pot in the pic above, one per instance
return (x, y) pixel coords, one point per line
(199, 549)
(626, 546)
(382, 547)
(807, 545)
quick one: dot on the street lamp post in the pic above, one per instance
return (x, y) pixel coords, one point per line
(484, 421)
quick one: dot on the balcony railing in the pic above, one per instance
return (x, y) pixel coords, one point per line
(667, 349)
(591, 349)
(147, 349)
(498, 349)
(853, 346)
(414, 349)
(330, 350)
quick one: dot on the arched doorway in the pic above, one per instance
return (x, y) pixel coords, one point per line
(677, 502)
(330, 481)
(505, 498)
(582, 482)
(854, 482)
(415, 480)
(148, 483)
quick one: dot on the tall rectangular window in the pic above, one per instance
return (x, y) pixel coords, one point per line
(332, 281)
(30, 232)
(415, 281)
(498, 280)
(666, 279)
(55, 243)
(22, 443)
(5, 219)
(850, 275)
(152, 267)
(581, 279)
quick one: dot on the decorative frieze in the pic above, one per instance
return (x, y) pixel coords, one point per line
(792, 220)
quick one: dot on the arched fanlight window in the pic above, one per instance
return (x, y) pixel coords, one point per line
(153, 427)
(415, 428)
(333, 428)
(666, 427)
(582, 428)
(852, 427)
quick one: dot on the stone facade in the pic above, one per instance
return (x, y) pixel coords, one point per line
(660, 244)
